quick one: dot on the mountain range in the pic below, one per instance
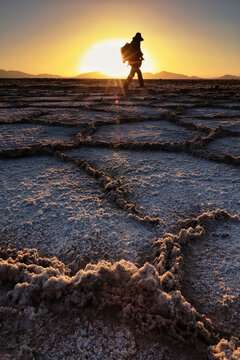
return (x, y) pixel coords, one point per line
(14, 74)
(7, 74)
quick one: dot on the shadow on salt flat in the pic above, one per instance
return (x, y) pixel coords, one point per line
(61, 211)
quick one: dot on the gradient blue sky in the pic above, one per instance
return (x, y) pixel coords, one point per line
(184, 36)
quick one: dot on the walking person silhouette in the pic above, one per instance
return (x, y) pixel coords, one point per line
(134, 56)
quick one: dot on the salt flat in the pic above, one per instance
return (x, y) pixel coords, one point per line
(119, 220)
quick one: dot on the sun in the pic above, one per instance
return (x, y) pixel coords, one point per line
(105, 57)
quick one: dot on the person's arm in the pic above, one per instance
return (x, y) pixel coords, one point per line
(141, 56)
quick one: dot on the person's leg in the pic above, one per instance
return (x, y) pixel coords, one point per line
(140, 78)
(129, 78)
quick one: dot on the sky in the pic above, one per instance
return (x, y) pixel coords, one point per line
(191, 37)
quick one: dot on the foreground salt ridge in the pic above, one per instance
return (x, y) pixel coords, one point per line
(167, 281)
(149, 296)
(226, 349)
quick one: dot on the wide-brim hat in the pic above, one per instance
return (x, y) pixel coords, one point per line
(138, 36)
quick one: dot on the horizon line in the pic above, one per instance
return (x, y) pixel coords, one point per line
(101, 74)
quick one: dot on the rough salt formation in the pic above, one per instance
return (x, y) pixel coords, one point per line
(226, 350)
(119, 220)
(138, 292)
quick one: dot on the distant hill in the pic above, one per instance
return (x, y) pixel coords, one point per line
(165, 75)
(47, 76)
(6, 74)
(92, 75)
(147, 75)
(229, 77)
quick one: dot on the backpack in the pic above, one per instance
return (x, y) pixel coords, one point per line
(126, 52)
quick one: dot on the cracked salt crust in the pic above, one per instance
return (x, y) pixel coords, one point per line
(61, 211)
(75, 115)
(152, 131)
(231, 124)
(16, 114)
(22, 135)
(211, 278)
(229, 145)
(168, 185)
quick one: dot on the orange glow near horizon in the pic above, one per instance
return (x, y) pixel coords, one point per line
(71, 37)
(105, 57)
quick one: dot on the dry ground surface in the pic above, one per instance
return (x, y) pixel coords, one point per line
(119, 220)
